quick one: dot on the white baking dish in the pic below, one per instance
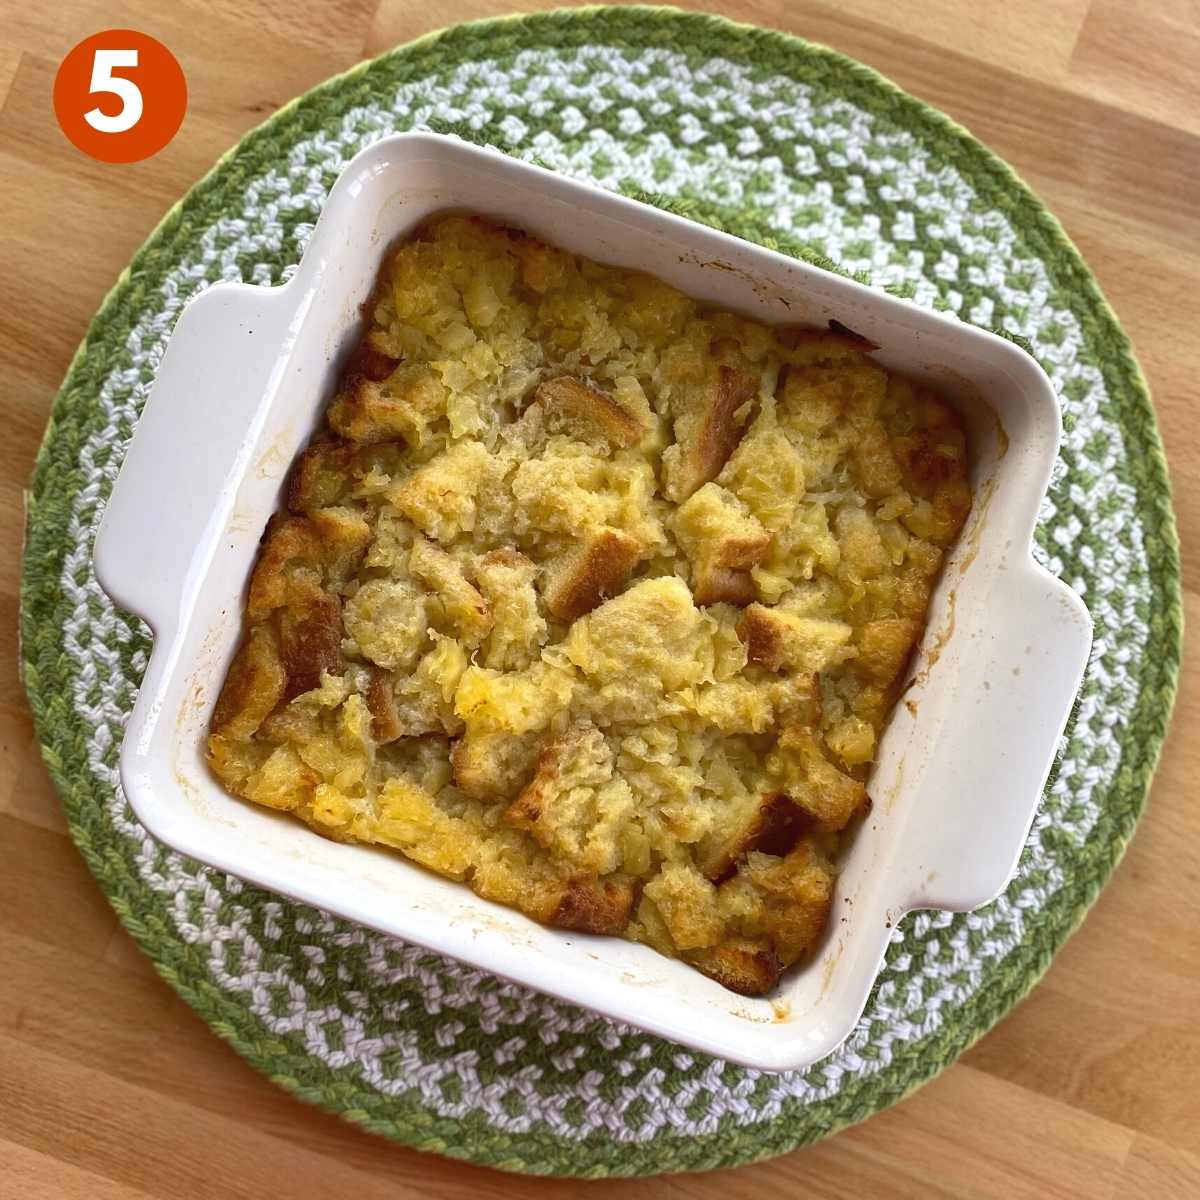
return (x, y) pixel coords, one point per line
(961, 767)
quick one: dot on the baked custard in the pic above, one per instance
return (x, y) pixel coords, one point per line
(594, 598)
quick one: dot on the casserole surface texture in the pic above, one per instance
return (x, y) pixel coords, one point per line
(594, 598)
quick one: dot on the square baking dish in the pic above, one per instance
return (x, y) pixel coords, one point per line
(960, 769)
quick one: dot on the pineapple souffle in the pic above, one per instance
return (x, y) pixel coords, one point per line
(594, 598)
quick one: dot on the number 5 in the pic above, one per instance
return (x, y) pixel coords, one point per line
(103, 80)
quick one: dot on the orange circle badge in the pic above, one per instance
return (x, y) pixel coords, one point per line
(120, 96)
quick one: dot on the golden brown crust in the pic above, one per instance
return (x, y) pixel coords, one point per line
(723, 539)
(371, 364)
(796, 897)
(934, 453)
(590, 573)
(253, 686)
(586, 412)
(884, 646)
(828, 795)
(720, 585)
(298, 553)
(741, 553)
(320, 475)
(381, 398)
(834, 342)
(780, 825)
(748, 967)
(310, 641)
(386, 725)
(925, 465)
(720, 428)
(287, 543)
(342, 535)
(362, 410)
(591, 905)
(875, 467)
(763, 635)
(780, 640)
(526, 810)
(774, 827)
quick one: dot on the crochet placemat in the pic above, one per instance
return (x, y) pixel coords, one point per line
(773, 139)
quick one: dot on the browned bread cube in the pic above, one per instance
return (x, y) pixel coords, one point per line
(576, 805)
(300, 552)
(772, 825)
(386, 725)
(722, 539)
(321, 475)
(591, 905)
(884, 647)
(493, 764)
(571, 406)
(748, 966)
(330, 469)
(310, 640)
(829, 796)
(708, 428)
(779, 640)
(589, 573)
(382, 399)
(253, 686)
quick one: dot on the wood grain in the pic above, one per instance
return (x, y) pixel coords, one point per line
(112, 1088)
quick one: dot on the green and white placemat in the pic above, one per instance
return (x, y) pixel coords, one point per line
(776, 140)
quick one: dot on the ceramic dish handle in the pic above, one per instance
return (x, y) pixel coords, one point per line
(209, 408)
(1012, 710)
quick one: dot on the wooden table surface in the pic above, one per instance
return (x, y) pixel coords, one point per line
(110, 1087)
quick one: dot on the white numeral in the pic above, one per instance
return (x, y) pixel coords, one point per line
(103, 80)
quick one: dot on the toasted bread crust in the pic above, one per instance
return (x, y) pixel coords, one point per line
(720, 585)
(587, 412)
(320, 475)
(590, 905)
(750, 968)
(302, 552)
(310, 637)
(493, 765)
(254, 685)
(706, 448)
(383, 399)
(586, 576)
(526, 810)
(779, 640)
(722, 429)
(763, 635)
(886, 645)
(775, 827)
(828, 795)
(723, 540)
(386, 725)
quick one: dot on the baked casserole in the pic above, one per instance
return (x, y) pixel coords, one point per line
(594, 598)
